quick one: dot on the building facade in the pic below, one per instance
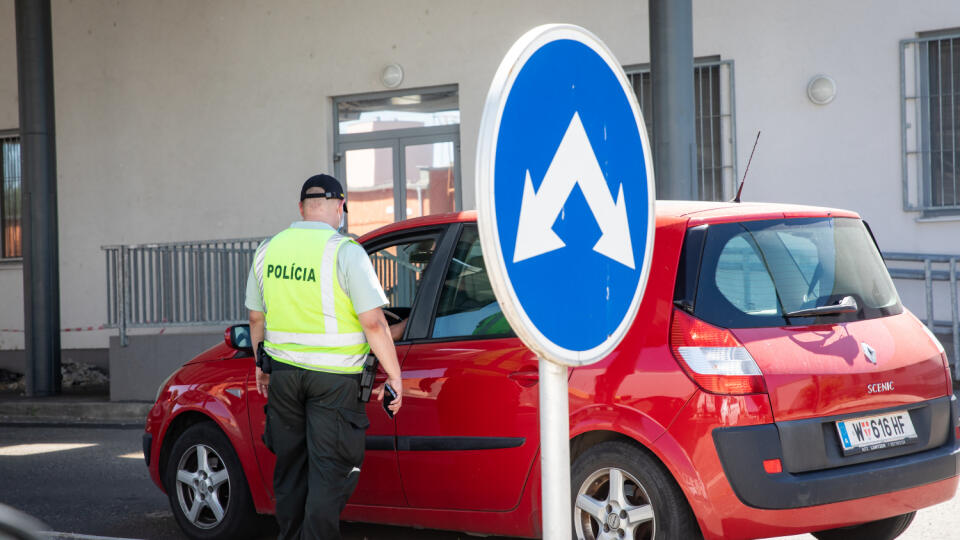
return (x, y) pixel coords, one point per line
(183, 121)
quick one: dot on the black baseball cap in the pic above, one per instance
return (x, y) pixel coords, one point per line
(331, 188)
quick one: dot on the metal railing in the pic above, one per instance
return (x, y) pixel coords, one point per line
(398, 277)
(204, 284)
(932, 268)
(177, 284)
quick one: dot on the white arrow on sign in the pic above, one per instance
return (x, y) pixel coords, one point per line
(573, 163)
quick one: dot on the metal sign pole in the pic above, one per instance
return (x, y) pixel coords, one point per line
(524, 178)
(555, 451)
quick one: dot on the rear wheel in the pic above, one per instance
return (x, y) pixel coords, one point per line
(206, 487)
(884, 529)
(620, 492)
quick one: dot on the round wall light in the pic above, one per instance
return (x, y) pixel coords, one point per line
(821, 89)
(392, 75)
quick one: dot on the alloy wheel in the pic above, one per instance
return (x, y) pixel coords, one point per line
(611, 505)
(203, 486)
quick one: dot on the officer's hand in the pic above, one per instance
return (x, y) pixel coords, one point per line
(263, 382)
(397, 385)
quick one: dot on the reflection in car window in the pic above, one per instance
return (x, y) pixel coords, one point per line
(753, 272)
(241, 336)
(400, 268)
(743, 280)
(467, 304)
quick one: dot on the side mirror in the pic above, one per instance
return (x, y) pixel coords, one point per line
(238, 337)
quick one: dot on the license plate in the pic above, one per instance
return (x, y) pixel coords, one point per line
(869, 433)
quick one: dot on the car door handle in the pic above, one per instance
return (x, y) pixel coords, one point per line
(526, 377)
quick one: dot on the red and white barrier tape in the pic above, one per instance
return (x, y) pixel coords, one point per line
(78, 329)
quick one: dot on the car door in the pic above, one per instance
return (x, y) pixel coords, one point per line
(467, 434)
(400, 260)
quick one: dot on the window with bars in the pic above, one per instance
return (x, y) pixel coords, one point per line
(10, 212)
(930, 119)
(715, 125)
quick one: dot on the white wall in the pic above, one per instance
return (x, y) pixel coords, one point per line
(188, 120)
(846, 153)
(11, 276)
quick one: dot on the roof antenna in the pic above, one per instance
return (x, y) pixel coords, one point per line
(737, 198)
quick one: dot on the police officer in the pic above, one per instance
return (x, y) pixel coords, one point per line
(315, 302)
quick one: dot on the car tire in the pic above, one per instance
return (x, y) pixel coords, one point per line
(647, 506)
(883, 529)
(206, 487)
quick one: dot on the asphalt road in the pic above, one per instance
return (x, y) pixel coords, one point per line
(99, 486)
(99, 489)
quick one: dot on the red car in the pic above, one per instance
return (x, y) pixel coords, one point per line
(772, 384)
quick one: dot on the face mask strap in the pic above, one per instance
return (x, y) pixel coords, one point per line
(324, 195)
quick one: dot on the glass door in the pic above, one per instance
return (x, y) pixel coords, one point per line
(400, 178)
(398, 155)
(429, 176)
(369, 176)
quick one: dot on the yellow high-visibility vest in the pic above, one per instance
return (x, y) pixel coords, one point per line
(310, 320)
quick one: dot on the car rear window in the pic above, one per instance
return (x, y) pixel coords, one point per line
(752, 273)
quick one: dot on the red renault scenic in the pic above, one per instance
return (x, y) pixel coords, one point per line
(772, 384)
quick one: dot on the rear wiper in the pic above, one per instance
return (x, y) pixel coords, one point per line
(846, 305)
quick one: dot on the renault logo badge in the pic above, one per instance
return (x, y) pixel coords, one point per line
(869, 352)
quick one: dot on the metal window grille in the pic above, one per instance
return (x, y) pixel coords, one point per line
(930, 120)
(10, 212)
(715, 123)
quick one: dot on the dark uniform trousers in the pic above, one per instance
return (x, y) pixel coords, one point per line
(317, 429)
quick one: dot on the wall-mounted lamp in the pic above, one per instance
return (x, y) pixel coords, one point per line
(392, 75)
(821, 89)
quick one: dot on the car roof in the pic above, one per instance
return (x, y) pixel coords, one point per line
(698, 212)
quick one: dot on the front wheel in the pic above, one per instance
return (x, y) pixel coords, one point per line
(883, 529)
(206, 487)
(620, 492)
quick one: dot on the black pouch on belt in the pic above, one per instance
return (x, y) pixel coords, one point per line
(267, 438)
(367, 377)
(264, 362)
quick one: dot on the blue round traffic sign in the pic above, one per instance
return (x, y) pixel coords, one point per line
(565, 194)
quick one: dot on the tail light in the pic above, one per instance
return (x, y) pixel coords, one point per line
(713, 357)
(943, 355)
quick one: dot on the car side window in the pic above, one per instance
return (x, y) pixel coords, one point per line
(467, 305)
(400, 267)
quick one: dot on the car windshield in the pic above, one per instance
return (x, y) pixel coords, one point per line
(762, 273)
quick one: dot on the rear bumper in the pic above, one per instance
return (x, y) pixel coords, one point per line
(743, 449)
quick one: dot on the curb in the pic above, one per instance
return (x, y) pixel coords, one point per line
(73, 413)
(51, 535)
(15, 422)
